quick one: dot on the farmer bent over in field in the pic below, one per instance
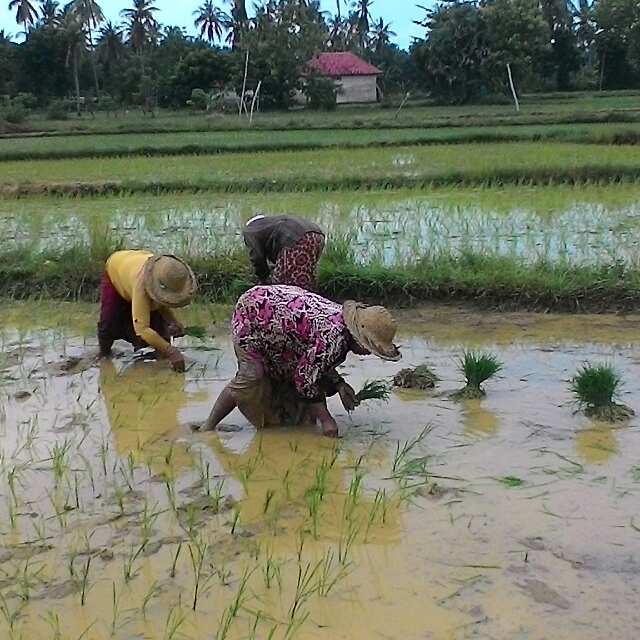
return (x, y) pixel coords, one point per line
(288, 342)
(284, 249)
(137, 295)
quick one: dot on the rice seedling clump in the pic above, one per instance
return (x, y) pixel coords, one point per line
(477, 368)
(422, 377)
(596, 389)
(374, 390)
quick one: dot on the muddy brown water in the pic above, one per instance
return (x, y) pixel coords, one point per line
(103, 483)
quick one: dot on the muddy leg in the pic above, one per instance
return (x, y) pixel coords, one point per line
(223, 406)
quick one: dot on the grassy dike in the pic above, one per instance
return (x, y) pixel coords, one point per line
(490, 281)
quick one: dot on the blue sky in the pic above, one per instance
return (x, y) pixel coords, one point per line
(178, 12)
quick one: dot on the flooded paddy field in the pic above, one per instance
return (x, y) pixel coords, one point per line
(581, 225)
(508, 517)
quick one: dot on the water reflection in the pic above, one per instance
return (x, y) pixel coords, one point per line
(597, 443)
(143, 405)
(478, 421)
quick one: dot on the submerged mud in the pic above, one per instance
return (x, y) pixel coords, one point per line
(513, 516)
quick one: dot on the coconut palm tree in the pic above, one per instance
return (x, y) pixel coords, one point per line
(141, 24)
(26, 14)
(90, 14)
(110, 44)
(238, 23)
(210, 20)
(76, 39)
(363, 10)
(381, 35)
(49, 13)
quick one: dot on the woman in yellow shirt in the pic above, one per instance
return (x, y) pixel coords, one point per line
(138, 292)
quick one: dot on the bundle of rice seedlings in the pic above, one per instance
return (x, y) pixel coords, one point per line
(477, 368)
(195, 331)
(596, 389)
(421, 377)
(374, 390)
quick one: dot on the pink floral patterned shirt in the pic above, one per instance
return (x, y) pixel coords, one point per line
(298, 336)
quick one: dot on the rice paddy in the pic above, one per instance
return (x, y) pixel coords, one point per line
(506, 514)
(121, 523)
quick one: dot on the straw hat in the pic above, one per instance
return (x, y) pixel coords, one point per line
(373, 328)
(169, 281)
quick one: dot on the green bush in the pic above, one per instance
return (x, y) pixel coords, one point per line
(15, 113)
(58, 110)
(322, 94)
(199, 100)
(26, 100)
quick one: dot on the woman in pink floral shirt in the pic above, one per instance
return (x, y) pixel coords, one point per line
(295, 339)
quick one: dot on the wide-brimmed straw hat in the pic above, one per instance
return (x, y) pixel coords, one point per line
(169, 280)
(373, 328)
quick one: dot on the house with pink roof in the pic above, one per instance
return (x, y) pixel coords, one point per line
(357, 79)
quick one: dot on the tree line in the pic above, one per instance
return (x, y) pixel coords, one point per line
(71, 52)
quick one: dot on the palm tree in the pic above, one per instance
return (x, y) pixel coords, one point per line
(381, 35)
(25, 14)
(582, 12)
(90, 14)
(141, 25)
(210, 20)
(76, 39)
(238, 22)
(364, 20)
(49, 14)
(110, 44)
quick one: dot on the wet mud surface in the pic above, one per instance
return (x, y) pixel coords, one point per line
(512, 516)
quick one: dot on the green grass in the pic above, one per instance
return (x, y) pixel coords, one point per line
(477, 368)
(596, 389)
(503, 282)
(202, 143)
(338, 169)
(543, 109)
(374, 390)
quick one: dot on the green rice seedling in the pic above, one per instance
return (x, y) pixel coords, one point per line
(403, 462)
(422, 377)
(28, 578)
(477, 368)
(174, 561)
(329, 576)
(59, 455)
(271, 571)
(511, 482)
(148, 518)
(104, 455)
(197, 553)
(267, 500)
(241, 594)
(236, 520)
(306, 586)
(596, 389)
(128, 570)
(347, 539)
(175, 619)
(84, 582)
(154, 590)
(379, 506)
(52, 619)
(11, 615)
(374, 390)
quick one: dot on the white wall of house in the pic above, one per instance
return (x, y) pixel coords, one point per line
(357, 89)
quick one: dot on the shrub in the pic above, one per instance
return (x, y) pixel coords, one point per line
(199, 100)
(26, 100)
(15, 113)
(322, 93)
(58, 110)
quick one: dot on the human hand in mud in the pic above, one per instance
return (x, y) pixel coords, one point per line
(176, 359)
(348, 396)
(330, 428)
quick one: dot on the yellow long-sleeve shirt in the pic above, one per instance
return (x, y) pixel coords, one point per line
(124, 269)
